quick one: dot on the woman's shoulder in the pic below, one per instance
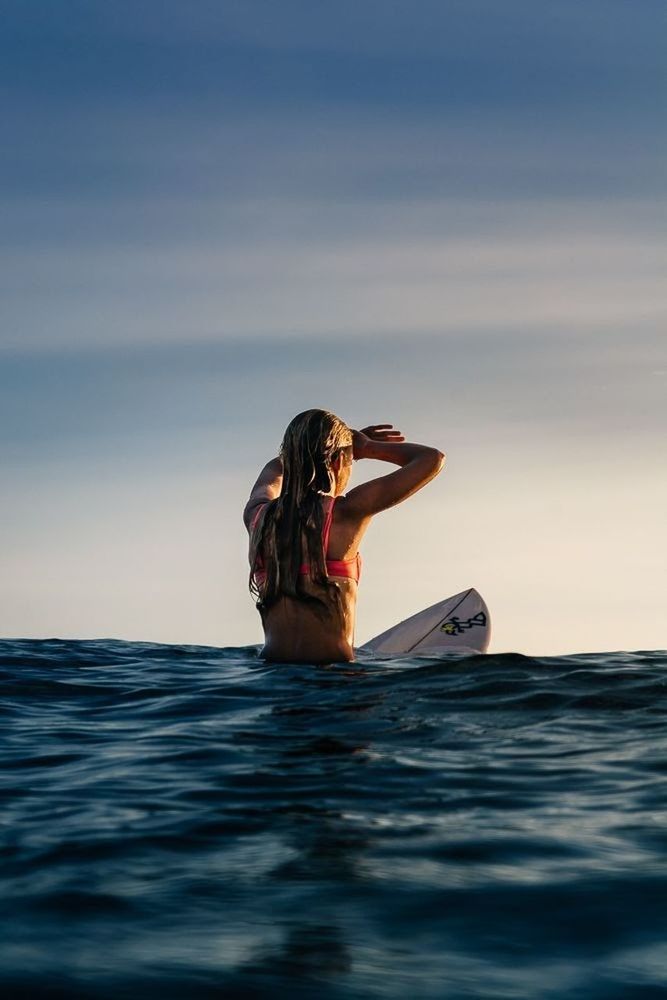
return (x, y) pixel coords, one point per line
(253, 512)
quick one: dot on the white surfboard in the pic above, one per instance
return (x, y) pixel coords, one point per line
(459, 624)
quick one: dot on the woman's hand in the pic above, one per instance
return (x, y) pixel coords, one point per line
(385, 433)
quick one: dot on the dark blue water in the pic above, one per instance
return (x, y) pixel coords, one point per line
(185, 822)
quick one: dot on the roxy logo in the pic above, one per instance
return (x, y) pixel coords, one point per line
(453, 626)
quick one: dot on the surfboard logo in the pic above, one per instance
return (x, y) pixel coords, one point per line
(454, 626)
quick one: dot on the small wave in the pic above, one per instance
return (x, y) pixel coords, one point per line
(190, 821)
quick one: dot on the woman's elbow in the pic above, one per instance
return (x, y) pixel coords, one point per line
(438, 459)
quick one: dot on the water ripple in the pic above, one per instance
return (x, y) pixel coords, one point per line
(192, 822)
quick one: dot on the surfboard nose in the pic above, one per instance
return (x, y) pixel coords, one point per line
(458, 624)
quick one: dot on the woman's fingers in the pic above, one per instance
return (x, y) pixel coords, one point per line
(381, 432)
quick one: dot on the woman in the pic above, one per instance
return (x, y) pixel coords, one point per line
(305, 533)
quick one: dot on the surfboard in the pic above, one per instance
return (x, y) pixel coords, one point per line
(459, 624)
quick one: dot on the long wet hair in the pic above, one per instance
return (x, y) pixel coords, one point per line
(288, 532)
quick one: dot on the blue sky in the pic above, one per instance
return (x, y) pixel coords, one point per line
(446, 215)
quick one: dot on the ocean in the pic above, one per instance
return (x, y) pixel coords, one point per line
(185, 822)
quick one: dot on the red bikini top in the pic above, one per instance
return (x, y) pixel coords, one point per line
(350, 568)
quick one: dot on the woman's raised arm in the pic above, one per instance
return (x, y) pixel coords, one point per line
(419, 464)
(267, 487)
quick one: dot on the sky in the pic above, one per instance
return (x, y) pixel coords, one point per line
(445, 215)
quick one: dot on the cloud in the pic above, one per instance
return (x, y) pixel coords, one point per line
(460, 58)
(138, 408)
(222, 155)
(555, 270)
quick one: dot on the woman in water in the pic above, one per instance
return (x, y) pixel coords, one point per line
(305, 531)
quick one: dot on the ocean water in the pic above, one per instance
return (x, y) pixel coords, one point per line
(186, 822)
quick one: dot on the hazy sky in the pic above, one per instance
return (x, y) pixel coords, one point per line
(449, 215)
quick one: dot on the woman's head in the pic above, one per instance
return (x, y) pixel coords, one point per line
(316, 452)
